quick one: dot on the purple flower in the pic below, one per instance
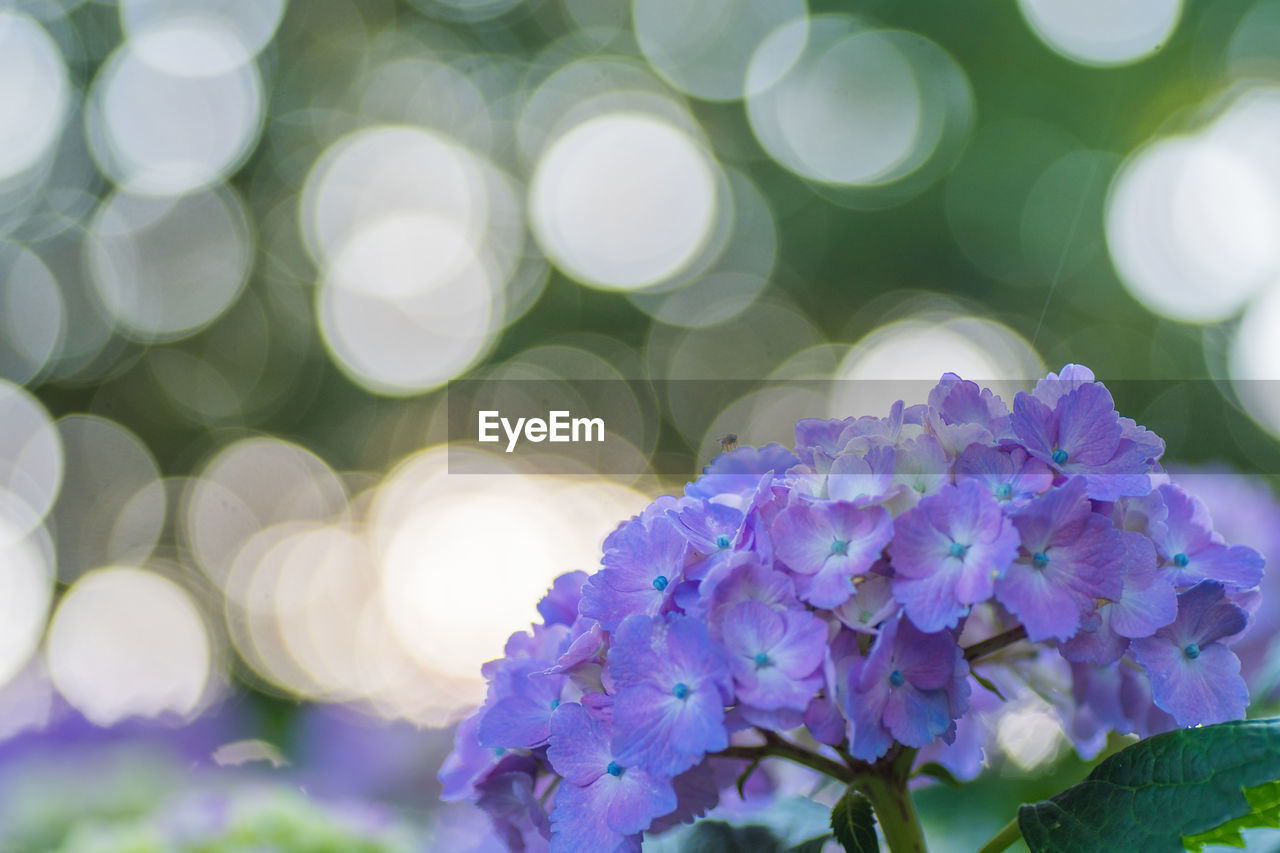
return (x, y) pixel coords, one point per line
(560, 605)
(829, 544)
(603, 802)
(1009, 473)
(507, 797)
(672, 686)
(1078, 431)
(1147, 602)
(862, 478)
(521, 714)
(748, 580)
(947, 553)
(643, 562)
(1186, 541)
(910, 688)
(872, 602)
(1194, 676)
(739, 471)
(960, 413)
(466, 763)
(1070, 557)
(775, 655)
(710, 527)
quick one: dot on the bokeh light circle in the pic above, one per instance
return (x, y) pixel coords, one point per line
(26, 588)
(112, 504)
(175, 109)
(623, 200)
(443, 544)
(903, 359)
(1191, 229)
(32, 323)
(1103, 32)
(704, 48)
(127, 642)
(31, 459)
(251, 22)
(408, 304)
(1254, 360)
(251, 485)
(390, 170)
(35, 96)
(165, 268)
(850, 111)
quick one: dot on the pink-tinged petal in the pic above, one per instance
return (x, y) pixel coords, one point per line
(751, 627)
(803, 647)
(803, 539)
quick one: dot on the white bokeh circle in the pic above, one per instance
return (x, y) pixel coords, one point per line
(623, 200)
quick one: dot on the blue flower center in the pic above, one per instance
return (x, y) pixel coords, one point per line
(555, 703)
(722, 542)
(1192, 651)
(957, 550)
(1004, 491)
(896, 678)
(613, 769)
(680, 691)
(840, 547)
(1039, 559)
(660, 583)
(762, 659)
(1180, 560)
(1060, 456)
(499, 751)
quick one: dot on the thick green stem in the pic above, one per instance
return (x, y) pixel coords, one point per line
(1004, 838)
(885, 786)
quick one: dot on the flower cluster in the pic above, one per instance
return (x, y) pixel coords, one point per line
(844, 592)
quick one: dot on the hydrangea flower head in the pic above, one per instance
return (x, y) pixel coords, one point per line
(858, 595)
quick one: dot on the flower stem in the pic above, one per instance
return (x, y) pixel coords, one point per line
(885, 786)
(1004, 838)
(776, 747)
(995, 644)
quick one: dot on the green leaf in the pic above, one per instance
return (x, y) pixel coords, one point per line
(935, 770)
(1265, 800)
(854, 824)
(987, 683)
(1148, 797)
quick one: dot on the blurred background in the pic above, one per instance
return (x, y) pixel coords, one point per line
(244, 246)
